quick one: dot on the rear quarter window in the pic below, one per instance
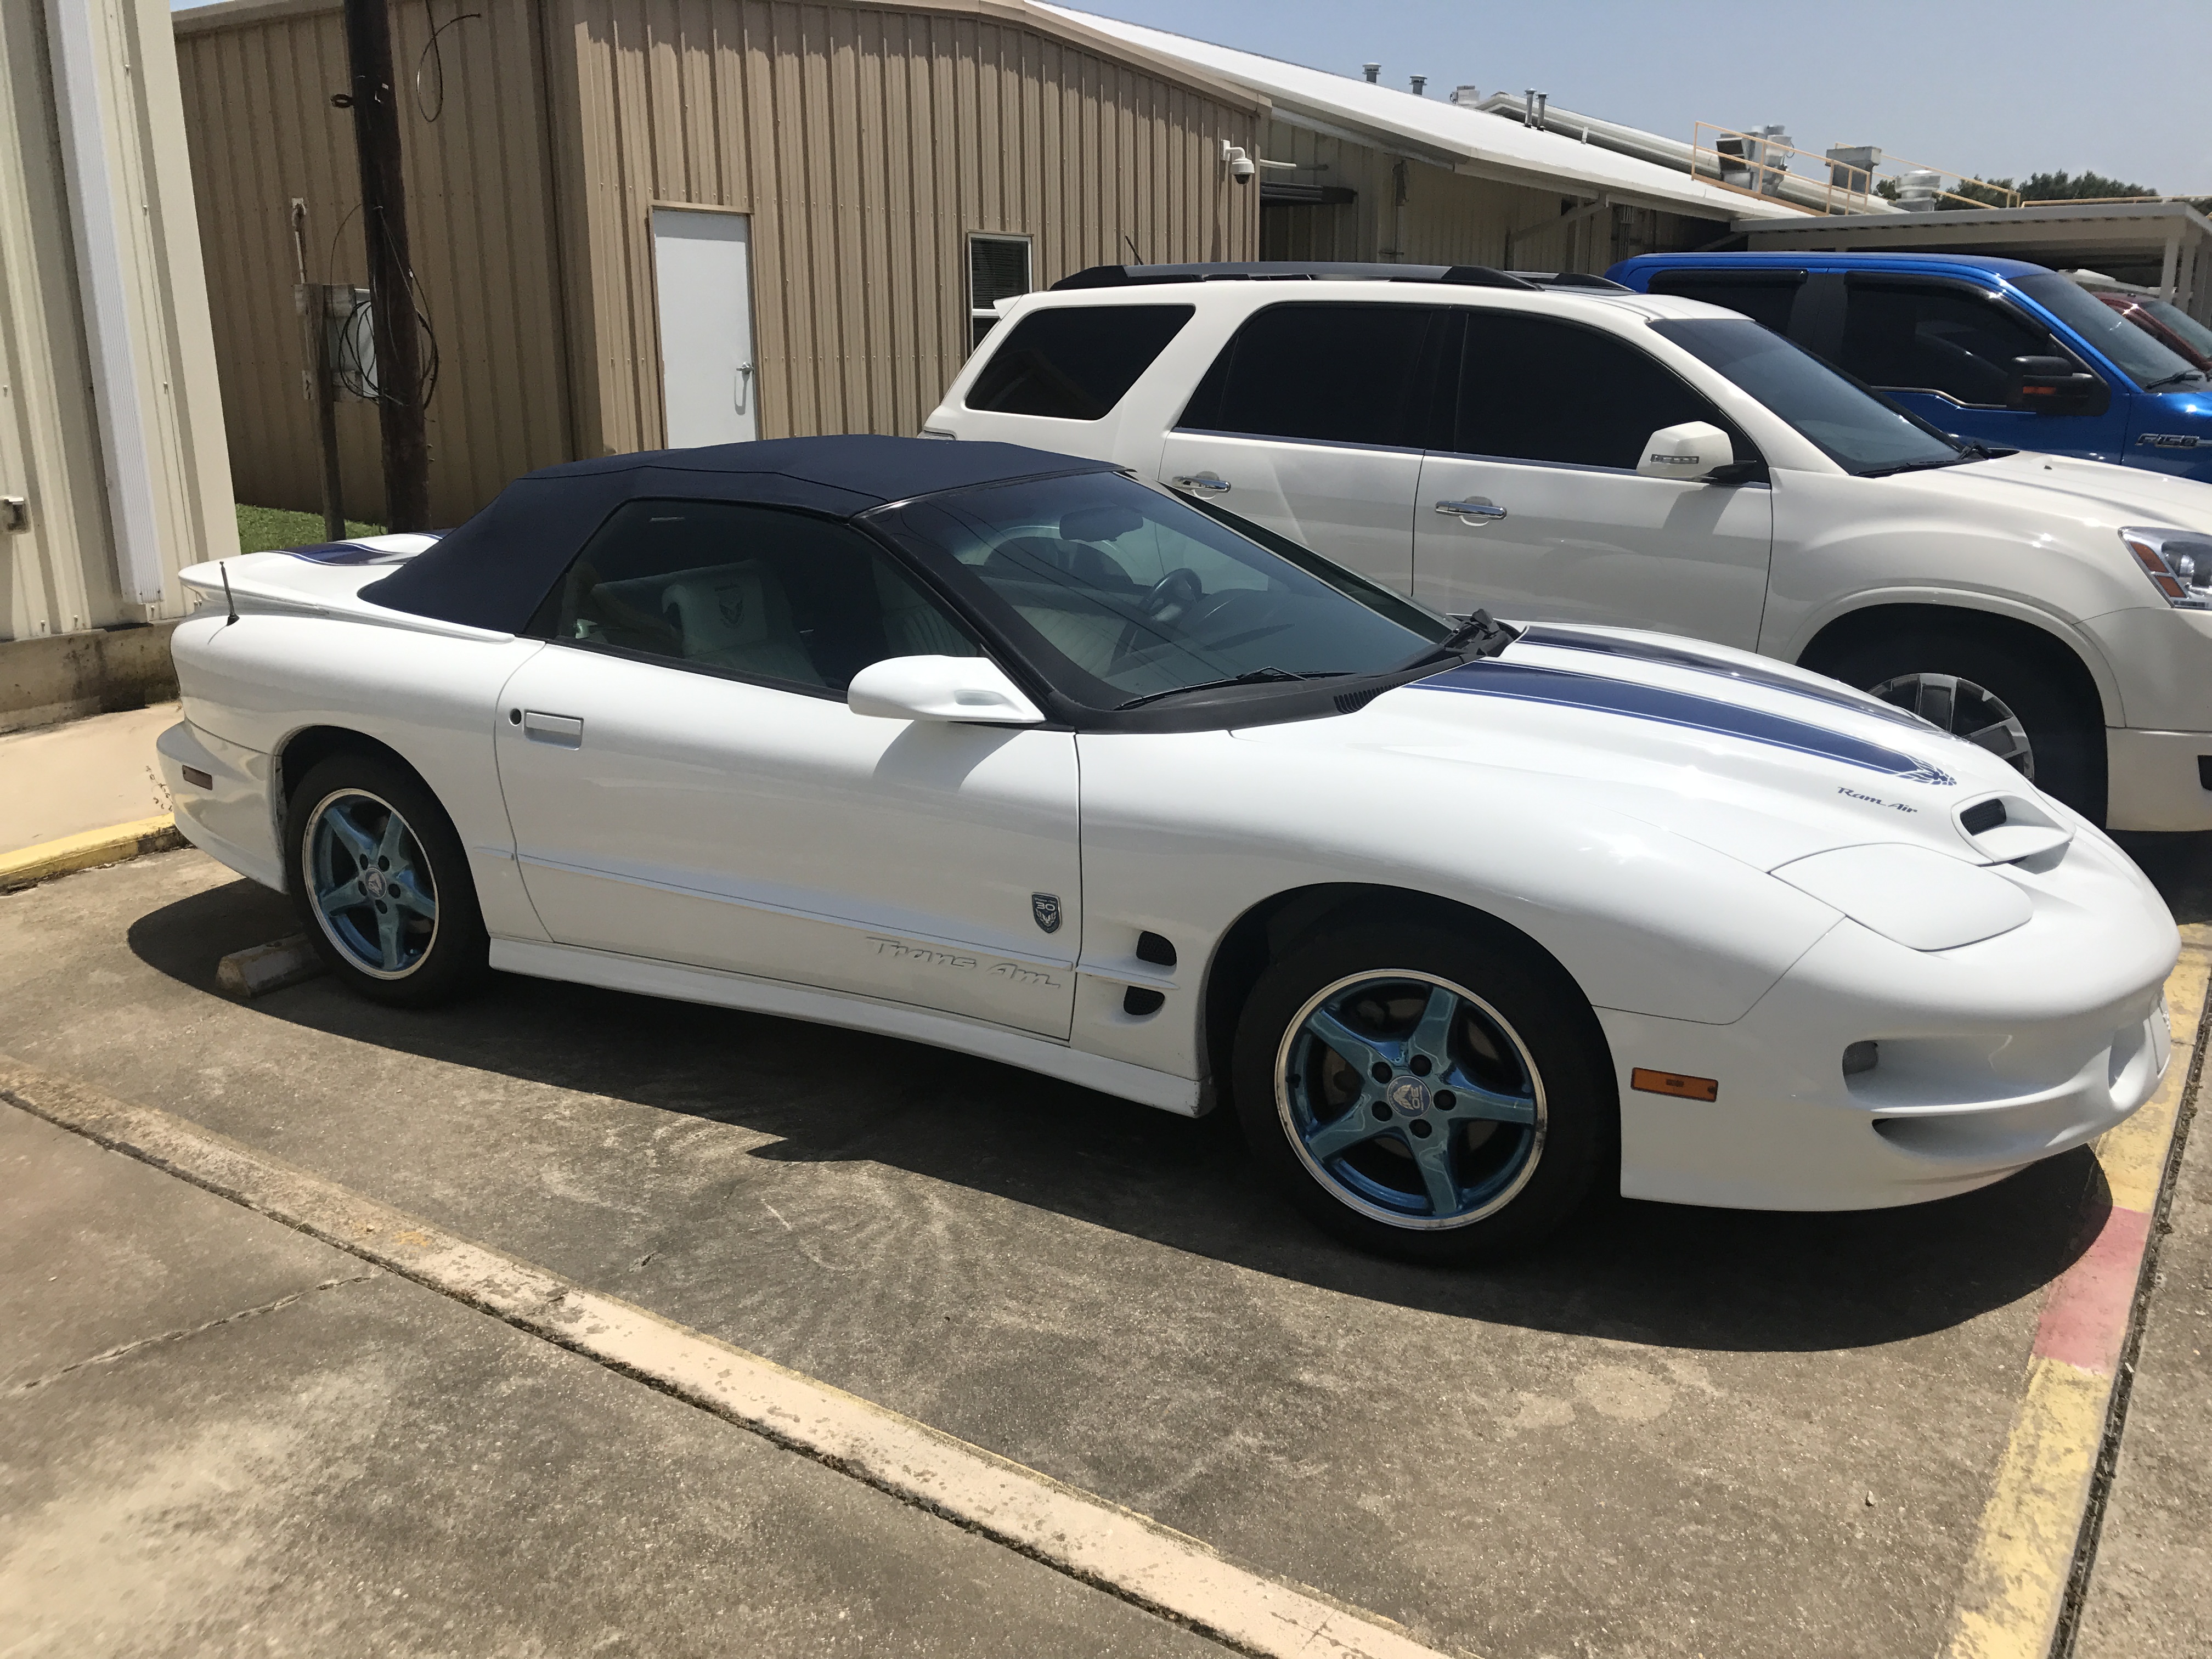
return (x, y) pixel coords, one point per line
(1074, 362)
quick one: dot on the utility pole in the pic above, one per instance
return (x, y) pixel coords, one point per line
(391, 270)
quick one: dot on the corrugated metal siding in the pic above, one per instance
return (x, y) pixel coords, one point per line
(866, 142)
(480, 197)
(1450, 218)
(68, 388)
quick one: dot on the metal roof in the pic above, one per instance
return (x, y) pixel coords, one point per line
(1464, 140)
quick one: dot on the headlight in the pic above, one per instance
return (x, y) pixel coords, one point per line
(2178, 562)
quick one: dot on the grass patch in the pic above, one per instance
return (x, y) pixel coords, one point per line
(261, 528)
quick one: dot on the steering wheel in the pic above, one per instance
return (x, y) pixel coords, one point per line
(1168, 600)
(1173, 594)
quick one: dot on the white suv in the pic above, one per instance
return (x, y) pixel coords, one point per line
(1568, 450)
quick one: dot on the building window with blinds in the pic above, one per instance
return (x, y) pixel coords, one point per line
(998, 269)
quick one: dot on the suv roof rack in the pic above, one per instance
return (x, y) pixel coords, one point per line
(1580, 279)
(1285, 270)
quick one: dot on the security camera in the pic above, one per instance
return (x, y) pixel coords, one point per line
(1241, 169)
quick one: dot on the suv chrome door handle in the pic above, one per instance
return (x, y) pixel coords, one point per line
(1477, 508)
(1203, 481)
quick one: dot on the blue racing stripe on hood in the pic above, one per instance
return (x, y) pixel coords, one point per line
(1524, 683)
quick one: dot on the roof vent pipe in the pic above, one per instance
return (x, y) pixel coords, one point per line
(1542, 99)
(1374, 71)
(1529, 108)
(1420, 85)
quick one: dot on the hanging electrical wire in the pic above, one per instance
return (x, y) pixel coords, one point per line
(432, 63)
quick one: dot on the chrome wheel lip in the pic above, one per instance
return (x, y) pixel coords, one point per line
(1352, 1200)
(2020, 758)
(309, 876)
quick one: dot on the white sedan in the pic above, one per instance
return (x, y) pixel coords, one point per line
(1011, 753)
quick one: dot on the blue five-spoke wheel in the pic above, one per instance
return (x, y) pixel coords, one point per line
(371, 882)
(1410, 1099)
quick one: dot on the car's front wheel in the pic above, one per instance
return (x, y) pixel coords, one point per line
(1441, 1094)
(380, 882)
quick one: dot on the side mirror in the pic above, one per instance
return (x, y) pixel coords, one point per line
(2057, 385)
(1692, 451)
(959, 689)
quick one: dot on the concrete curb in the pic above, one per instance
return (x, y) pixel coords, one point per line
(94, 847)
(1087, 1537)
(2016, 1579)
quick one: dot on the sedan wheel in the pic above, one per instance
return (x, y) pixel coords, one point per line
(380, 884)
(1411, 1098)
(1437, 1089)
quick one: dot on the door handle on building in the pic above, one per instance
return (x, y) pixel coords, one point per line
(1205, 481)
(743, 385)
(1478, 509)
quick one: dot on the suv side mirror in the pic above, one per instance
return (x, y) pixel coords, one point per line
(950, 688)
(1691, 450)
(2057, 385)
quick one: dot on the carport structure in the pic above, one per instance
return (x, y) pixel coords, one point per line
(647, 223)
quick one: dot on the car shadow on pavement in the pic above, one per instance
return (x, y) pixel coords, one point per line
(1647, 1272)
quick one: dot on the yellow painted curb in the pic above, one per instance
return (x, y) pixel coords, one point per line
(117, 841)
(2015, 1580)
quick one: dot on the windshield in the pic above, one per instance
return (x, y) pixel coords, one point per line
(2185, 327)
(1862, 433)
(2138, 356)
(1118, 591)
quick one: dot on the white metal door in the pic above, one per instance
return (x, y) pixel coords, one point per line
(702, 265)
(694, 818)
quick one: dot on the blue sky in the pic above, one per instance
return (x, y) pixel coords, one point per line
(1987, 87)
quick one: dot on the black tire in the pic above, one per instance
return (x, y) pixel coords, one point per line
(2032, 683)
(437, 958)
(1525, 1013)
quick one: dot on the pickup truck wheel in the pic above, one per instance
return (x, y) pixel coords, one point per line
(2013, 702)
(1437, 1094)
(381, 885)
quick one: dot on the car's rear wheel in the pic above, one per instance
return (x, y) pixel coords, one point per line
(380, 883)
(2017, 701)
(1439, 1094)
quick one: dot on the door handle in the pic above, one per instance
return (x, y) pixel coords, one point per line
(1486, 511)
(562, 731)
(742, 384)
(1205, 482)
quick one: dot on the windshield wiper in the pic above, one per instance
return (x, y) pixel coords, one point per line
(1249, 676)
(2175, 379)
(1921, 466)
(1483, 631)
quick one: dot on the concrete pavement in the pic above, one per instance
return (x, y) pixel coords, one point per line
(1680, 1432)
(64, 779)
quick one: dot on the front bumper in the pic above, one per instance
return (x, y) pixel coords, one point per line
(1993, 1056)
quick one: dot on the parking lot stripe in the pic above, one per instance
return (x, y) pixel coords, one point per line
(1087, 1537)
(2015, 1584)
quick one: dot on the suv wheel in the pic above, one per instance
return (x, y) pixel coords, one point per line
(1437, 1095)
(2016, 703)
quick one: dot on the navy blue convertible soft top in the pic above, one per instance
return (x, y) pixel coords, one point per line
(492, 572)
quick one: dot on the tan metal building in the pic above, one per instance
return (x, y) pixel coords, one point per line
(112, 467)
(883, 171)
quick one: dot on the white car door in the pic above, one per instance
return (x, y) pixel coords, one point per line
(1311, 423)
(1535, 510)
(686, 783)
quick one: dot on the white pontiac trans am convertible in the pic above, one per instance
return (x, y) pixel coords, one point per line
(1011, 753)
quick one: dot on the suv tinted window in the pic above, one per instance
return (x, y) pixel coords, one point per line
(1532, 389)
(1926, 336)
(1073, 362)
(751, 591)
(1337, 373)
(1765, 296)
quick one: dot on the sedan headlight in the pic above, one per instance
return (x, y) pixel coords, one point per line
(2178, 562)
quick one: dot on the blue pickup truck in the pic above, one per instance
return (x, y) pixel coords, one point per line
(2004, 353)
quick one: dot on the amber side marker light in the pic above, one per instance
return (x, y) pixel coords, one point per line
(1670, 1083)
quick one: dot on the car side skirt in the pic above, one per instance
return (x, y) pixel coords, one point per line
(1185, 1096)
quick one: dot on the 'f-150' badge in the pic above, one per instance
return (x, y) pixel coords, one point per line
(1045, 907)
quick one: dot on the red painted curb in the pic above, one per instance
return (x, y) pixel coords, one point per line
(2085, 1320)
